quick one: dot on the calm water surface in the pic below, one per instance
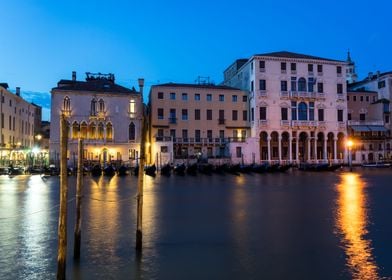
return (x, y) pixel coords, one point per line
(260, 226)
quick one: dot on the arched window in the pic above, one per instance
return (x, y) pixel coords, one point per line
(93, 109)
(132, 135)
(100, 130)
(75, 130)
(109, 131)
(66, 104)
(302, 111)
(83, 130)
(92, 131)
(101, 105)
(301, 84)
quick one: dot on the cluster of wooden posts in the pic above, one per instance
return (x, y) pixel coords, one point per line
(62, 225)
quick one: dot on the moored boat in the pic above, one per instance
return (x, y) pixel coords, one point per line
(166, 170)
(96, 170)
(179, 169)
(122, 170)
(109, 170)
(150, 170)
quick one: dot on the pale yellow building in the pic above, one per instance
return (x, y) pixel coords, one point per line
(197, 121)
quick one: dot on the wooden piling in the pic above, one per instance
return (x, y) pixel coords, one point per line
(139, 233)
(62, 226)
(79, 186)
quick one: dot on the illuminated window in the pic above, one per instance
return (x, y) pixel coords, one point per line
(132, 107)
(66, 103)
(75, 130)
(100, 130)
(83, 130)
(92, 131)
(109, 131)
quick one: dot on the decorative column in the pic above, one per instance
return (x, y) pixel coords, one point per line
(290, 149)
(335, 140)
(315, 148)
(296, 150)
(280, 148)
(269, 148)
(309, 140)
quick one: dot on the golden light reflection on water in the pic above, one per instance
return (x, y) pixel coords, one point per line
(352, 221)
(149, 211)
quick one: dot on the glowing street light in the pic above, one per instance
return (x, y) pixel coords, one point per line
(350, 144)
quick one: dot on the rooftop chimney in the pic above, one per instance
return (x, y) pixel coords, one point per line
(74, 76)
(17, 92)
(370, 75)
(141, 85)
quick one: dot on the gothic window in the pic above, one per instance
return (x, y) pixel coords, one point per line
(93, 109)
(101, 105)
(131, 131)
(301, 84)
(83, 130)
(100, 130)
(302, 111)
(109, 131)
(92, 131)
(66, 104)
(75, 130)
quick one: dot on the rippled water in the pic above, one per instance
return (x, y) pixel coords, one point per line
(271, 226)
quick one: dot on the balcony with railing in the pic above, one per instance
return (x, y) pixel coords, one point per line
(284, 94)
(303, 94)
(263, 123)
(285, 123)
(262, 93)
(340, 97)
(163, 138)
(237, 139)
(305, 123)
(199, 141)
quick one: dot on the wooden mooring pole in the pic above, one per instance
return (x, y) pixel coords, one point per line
(62, 227)
(79, 185)
(140, 182)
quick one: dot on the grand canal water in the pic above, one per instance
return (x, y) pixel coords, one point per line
(259, 226)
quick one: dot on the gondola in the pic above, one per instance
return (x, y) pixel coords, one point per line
(192, 169)
(179, 169)
(109, 170)
(166, 170)
(96, 170)
(122, 171)
(318, 167)
(150, 170)
(205, 168)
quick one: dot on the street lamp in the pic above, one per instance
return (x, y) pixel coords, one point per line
(350, 144)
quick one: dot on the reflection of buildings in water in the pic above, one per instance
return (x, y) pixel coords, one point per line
(352, 221)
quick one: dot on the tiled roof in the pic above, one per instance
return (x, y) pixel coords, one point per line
(360, 91)
(93, 85)
(371, 78)
(210, 86)
(286, 54)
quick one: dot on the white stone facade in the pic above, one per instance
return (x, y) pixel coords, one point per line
(297, 104)
(107, 116)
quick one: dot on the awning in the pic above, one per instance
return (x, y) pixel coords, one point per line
(377, 128)
(365, 128)
(360, 128)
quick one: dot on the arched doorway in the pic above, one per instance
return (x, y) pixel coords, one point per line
(320, 146)
(274, 145)
(263, 145)
(330, 146)
(341, 146)
(303, 143)
(285, 146)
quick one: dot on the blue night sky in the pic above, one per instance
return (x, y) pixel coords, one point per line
(43, 41)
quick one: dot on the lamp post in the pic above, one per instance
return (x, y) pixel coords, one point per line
(350, 144)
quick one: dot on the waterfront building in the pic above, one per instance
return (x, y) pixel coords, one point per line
(106, 115)
(16, 127)
(370, 109)
(297, 105)
(197, 121)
